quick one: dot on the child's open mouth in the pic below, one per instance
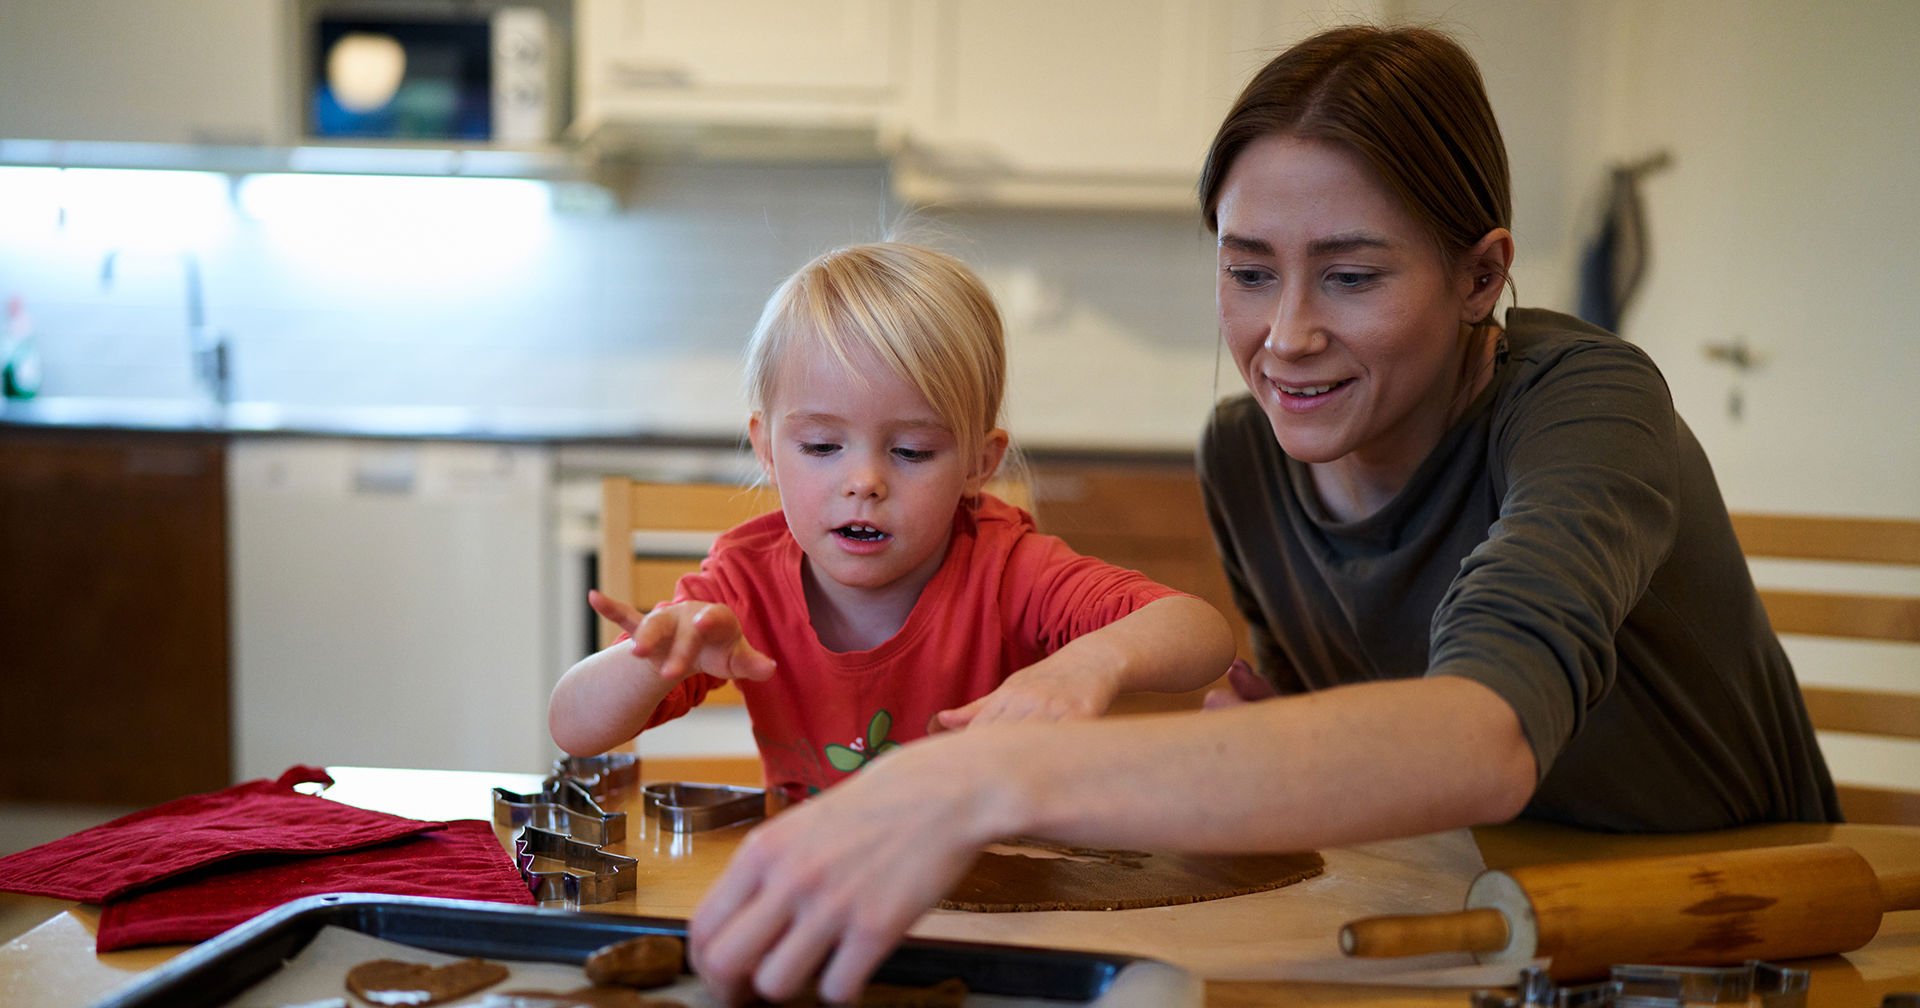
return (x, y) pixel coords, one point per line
(860, 533)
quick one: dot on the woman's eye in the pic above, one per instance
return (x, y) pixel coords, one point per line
(818, 448)
(1246, 277)
(1350, 280)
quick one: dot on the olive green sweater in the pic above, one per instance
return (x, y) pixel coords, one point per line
(1566, 545)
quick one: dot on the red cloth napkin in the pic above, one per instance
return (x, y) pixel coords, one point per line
(155, 844)
(463, 862)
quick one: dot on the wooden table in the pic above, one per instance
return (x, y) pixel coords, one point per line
(55, 965)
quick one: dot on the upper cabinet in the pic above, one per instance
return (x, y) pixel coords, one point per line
(1097, 103)
(1100, 103)
(653, 72)
(185, 71)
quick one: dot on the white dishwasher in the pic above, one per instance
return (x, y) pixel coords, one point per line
(391, 604)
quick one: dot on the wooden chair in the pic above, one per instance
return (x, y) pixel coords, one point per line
(1848, 615)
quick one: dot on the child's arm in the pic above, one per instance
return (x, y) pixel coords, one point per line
(1169, 645)
(607, 697)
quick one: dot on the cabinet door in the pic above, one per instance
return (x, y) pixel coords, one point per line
(113, 600)
(1096, 102)
(773, 62)
(185, 71)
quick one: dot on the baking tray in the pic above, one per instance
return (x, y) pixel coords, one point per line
(218, 970)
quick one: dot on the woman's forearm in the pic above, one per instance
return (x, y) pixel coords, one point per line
(1344, 765)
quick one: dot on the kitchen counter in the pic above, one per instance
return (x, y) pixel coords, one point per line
(406, 422)
(554, 425)
(54, 964)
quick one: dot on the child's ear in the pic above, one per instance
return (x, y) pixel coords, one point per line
(762, 447)
(992, 451)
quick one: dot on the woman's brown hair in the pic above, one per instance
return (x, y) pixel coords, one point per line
(1409, 101)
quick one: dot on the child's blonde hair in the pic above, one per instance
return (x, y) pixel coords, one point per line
(922, 312)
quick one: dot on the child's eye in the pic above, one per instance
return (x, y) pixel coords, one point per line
(914, 454)
(818, 447)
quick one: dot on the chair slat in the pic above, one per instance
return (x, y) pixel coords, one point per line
(1836, 614)
(1811, 537)
(1866, 712)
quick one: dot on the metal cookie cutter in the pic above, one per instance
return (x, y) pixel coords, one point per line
(563, 805)
(691, 808)
(588, 875)
(606, 776)
(1660, 987)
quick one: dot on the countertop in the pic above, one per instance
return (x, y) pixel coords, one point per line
(553, 425)
(402, 422)
(55, 965)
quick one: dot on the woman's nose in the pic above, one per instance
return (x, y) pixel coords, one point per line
(1293, 332)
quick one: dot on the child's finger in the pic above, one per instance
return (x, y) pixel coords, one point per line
(656, 630)
(613, 610)
(744, 661)
(683, 655)
(955, 718)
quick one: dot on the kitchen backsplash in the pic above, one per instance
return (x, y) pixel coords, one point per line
(640, 312)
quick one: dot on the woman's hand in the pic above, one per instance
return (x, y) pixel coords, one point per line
(838, 879)
(687, 637)
(1044, 691)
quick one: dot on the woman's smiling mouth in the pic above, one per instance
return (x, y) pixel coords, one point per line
(1309, 391)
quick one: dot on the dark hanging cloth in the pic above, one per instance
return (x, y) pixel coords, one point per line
(1614, 260)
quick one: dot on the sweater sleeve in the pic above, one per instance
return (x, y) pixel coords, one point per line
(1586, 464)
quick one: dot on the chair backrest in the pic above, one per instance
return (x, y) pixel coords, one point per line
(1850, 545)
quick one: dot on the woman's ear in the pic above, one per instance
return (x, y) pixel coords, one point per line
(992, 451)
(761, 438)
(1483, 276)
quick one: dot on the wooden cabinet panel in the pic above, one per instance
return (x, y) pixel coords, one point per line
(113, 599)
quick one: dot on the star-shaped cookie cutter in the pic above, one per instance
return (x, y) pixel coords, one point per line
(588, 874)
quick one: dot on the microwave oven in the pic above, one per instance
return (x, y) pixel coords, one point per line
(479, 72)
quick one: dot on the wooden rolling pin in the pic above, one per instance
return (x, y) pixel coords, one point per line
(1713, 909)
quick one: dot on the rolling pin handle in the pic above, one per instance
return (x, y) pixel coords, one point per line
(1482, 930)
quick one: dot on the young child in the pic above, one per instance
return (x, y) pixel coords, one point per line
(889, 597)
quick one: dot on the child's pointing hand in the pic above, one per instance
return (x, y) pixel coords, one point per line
(687, 637)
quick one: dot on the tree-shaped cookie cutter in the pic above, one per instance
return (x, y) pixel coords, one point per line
(562, 805)
(565, 822)
(588, 873)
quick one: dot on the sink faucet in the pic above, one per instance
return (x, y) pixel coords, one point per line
(207, 352)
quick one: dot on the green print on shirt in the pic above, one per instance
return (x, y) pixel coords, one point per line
(847, 759)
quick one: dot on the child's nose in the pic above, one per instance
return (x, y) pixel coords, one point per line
(865, 481)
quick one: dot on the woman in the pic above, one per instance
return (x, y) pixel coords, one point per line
(1487, 563)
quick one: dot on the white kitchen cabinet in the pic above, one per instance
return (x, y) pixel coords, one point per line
(390, 603)
(1106, 103)
(812, 65)
(184, 71)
